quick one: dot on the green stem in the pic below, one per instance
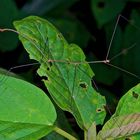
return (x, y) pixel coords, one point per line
(90, 134)
(85, 135)
(64, 134)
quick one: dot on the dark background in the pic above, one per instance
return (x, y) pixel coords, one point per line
(90, 24)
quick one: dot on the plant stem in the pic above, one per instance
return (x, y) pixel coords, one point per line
(64, 134)
(90, 134)
(85, 135)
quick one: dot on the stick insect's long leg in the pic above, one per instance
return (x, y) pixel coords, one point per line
(16, 67)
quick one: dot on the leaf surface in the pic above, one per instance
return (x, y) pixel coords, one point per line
(69, 83)
(125, 123)
(123, 127)
(26, 112)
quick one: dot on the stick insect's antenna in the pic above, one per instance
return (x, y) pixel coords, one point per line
(110, 44)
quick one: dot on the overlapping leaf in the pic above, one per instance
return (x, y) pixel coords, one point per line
(125, 123)
(26, 112)
(69, 83)
(118, 127)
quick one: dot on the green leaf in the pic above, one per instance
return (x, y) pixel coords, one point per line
(105, 11)
(91, 134)
(54, 136)
(68, 83)
(125, 121)
(26, 112)
(8, 13)
(6, 72)
(123, 127)
(130, 102)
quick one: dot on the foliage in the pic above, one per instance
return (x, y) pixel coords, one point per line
(63, 81)
(22, 114)
(65, 72)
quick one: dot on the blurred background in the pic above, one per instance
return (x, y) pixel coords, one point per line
(89, 24)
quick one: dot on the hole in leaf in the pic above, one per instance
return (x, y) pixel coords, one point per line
(50, 64)
(135, 95)
(98, 110)
(83, 85)
(44, 78)
(101, 4)
(59, 36)
(48, 68)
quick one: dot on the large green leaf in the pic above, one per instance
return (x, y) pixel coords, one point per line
(105, 11)
(25, 111)
(125, 122)
(8, 13)
(68, 83)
